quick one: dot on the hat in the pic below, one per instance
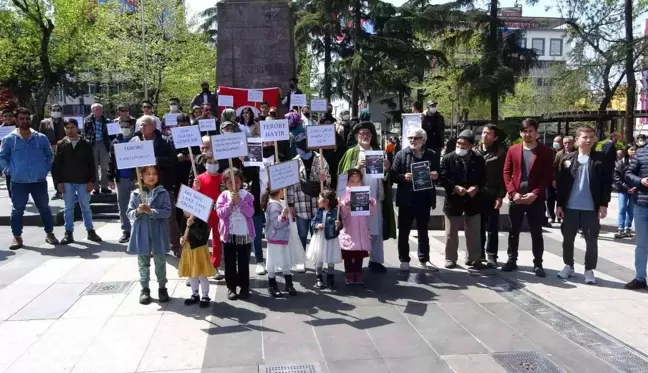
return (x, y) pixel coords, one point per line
(363, 125)
(432, 103)
(467, 135)
(226, 124)
(195, 107)
(365, 115)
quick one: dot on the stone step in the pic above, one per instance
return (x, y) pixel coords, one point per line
(104, 198)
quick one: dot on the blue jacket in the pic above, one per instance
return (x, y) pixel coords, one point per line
(26, 161)
(329, 226)
(150, 233)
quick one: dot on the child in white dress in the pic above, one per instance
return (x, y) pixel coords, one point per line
(324, 246)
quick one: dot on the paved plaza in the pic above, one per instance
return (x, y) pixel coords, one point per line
(75, 309)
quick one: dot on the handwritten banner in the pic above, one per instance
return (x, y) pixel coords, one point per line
(297, 99)
(275, 130)
(255, 96)
(195, 203)
(231, 145)
(134, 154)
(226, 101)
(114, 129)
(171, 119)
(207, 124)
(283, 175)
(186, 137)
(321, 136)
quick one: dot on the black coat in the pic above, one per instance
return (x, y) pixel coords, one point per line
(599, 174)
(494, 158)
(212, 99)
(198, 234)
(620, 168)
(405, 195)
(74, 165)
(434, 126)
(638, 170)
(166, 158)
(455, 172)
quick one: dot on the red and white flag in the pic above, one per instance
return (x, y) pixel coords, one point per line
(241, 98)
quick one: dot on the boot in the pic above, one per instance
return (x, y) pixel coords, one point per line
(68, 237)
(145, 296)
(319, 283)
(16, 244)
(163, 295)
(125, 237)
(92, 236)
(330, 281)
(50, 238)
(273, 288)
(290, 289)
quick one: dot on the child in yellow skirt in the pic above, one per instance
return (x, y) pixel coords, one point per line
(195, 261)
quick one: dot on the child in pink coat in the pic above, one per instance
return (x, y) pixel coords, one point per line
(355, 239)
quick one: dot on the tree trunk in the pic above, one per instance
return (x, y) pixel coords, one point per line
(355, 84)
(630, 73)
(492, 63)
(48, 75)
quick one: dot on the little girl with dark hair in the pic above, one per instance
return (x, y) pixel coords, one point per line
(324, 246)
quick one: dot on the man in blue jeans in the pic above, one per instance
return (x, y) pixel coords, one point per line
(636, 175)
(75, 173)
(26, 156)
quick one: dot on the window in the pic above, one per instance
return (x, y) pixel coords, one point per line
(523, 42)
(539, 46)
(555, 47)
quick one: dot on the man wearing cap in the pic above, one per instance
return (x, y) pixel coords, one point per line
(463, 176)
(205, 97)
(434, 125)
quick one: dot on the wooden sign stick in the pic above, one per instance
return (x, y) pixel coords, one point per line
(193, 164)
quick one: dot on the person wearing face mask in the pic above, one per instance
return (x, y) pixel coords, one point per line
(205, 97)
(122, 180)
(343, 126)
(54, 128)
(641, 141)
(296, 128)
(147, 109)
(463, 176)
(293, 90)
(434, 125)
(307, 118)
(174, 108)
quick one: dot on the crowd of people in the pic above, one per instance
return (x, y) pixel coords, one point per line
(572, 181)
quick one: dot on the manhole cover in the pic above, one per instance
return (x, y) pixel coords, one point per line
(525, 362)
(291, 368)
(115, 287)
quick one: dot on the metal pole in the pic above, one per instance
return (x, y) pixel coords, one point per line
(144, 50)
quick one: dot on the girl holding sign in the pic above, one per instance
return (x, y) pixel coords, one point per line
(195, 261)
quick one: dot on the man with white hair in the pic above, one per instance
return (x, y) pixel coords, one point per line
(414, 204)
(95, 130)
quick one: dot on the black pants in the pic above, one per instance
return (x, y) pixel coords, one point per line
(535, 217)
(551, 202)
(489, 229)
(588, 221)
(353, 265)
(237, 265)
(406, 216)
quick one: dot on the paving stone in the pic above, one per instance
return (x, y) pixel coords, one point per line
(343, 342)
(49, 272)
(16, 296)
(468, 364)
(279, 348)
(19, 267)
(17, 336)
(232, 346)
(399, 340)
(90, 270)
(240, 369)
(52, 303)
(95, 306)
(355, 366)
(430, 363)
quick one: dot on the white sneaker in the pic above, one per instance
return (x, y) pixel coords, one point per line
(566, 272)
(220, 275)
(405, 267)
(589, 277)
(260, 269)
(423, 265)
(300, 268)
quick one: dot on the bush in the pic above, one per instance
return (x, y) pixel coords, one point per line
(620, 145)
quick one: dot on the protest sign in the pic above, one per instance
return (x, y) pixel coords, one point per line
(421, 176)
(297, 99)
(359, 198)
(321, 136)
(283, 175)
(195, 203)
(5, 130)
(230, 145)
(171, 119)
(134, 154)
(114, 129)
(275, 130)
(409, 121)
(207, 124)
(375, 163)
(255, 152)
(343, 179)
(255, 96)
(263, 171)
(78, 119)
(226, 101)
(186, 137)
(318, 105)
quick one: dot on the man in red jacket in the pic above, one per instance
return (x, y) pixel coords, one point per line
(528, 171)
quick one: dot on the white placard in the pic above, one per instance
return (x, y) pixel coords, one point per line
(230, 145)
(283, 175)
(186, 137)
(320, 136)
(226, 101)
(5, 130)
(114, 129)
(255, 96)
(134, 154)
(374, 164)
(297, 99)
(195, 203)
(359, 201)
(318, 105)
(275, 130)
(409, 121)
(171, 119)
(207, 124)
(255, 152)
(78, 119)
(343, 180)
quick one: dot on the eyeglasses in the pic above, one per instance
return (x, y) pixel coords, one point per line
(414, 138)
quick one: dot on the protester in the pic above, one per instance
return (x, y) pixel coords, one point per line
(343, 125)
(248, 124)
(333, 157)
(235, 209)
(636, 176)
(95, 129)
(626, 195)
(417, 107)
(147, 109)
(287, 99)
(26, 157)
(194, 261)
(434, 125)
(556, 146)
(149, 209)
(351, 140)
(174, 109)
(207, 113)
(307, 118)
(324, 247)
(122, 111)
(414, 205)
(328, 116)
(263, 114)
(54, 128)
(583, 197)
(75, 174)
(296, 128)
(463, 175)
(528, 170)
(641, 141)
(205, 97)
(196, 112)
(492, 192)
(609, 149)
(8, 118)
(273, 114)
(123, 180)
(567, 146)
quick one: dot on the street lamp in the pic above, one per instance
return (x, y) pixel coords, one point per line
(141, 5)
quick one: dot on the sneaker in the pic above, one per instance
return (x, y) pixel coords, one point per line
(16, 244)
(51, 239)
(405, 267)
(193, 299)
(145, 296)
(377, 267)
(219, 275)
(621, 233)
(635, 285)
(478, 265)
(260, 269)
(589, 277)
(231, 294)
(163, 295)
(509, 266)
(566, 272)
(93, 236)
(300, 268)
(629, 232)
(449, 264)
(428, 267)
(492, 262)
(423, 265)
(56, 196)
(125, 237)
(204, 302)
(539, 272)
(244, 294)
(68, 237)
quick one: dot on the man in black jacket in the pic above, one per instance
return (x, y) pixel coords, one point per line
(414, 205)
(463, 175)
(75, 174)
(205, 97)
(434, 125)
(583, 196)
(54, 128)
(637, 177)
